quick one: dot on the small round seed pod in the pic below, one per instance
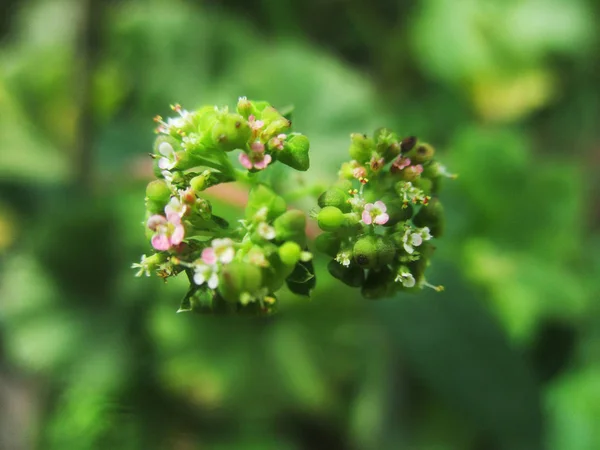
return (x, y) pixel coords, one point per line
(291, 226)
(335, 197)
(361, 147)
(330, 218)
(374, 252)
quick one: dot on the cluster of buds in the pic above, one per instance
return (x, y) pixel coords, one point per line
(379, 219)
(230, 268)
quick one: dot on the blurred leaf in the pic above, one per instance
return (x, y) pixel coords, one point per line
(459, 351)
(302, 280)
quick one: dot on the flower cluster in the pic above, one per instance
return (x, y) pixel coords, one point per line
(381, 215)
(230, 268)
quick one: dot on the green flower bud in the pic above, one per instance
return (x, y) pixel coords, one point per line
(244, 107)
(262, 197)
(361, 147)
(377, 283)
(158, 191)
(275, 123)
(291, 226)
(422, 153)
(289, 253)
(432, 216)
(199, 183)
(411, 173)
(352, 275)
(374, 251)
(330, 218)
(335, 197)
(237, 278)
(295, 152)
(387, 143)
(231, 132)
(328, 243)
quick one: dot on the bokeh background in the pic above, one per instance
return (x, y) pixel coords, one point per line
(507, 358)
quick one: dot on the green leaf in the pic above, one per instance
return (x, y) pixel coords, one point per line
(302, 280)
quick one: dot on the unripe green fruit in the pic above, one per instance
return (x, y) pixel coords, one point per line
(425, 184)
(199, 183)
(377, 283)
(289, 253)
(335, 197)
(295, 152)
(352, 275)
(231, 132)
(328, 243)
(155, 207)
(158, 191)
(244, 107)
(411, 173)
(432, 216)
(291, 226)
(330, 218)
(421, 153)
(262, 197)
(374, 251)
(236, 278)
(361, 147)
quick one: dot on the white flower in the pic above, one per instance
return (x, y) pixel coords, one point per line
(224, 250)
(405, 277)
(169, 158)
(414, 237)
(266, 231)
(206, 273)
(344, 257)
(175, 206)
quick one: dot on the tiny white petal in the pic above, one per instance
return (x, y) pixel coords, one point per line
(165, 149)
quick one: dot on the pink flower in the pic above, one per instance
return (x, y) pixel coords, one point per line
(400, 163)
(257, 158)
(375, 213)
(167, 232)
(255, 125)
(278, 141)
(175, 207)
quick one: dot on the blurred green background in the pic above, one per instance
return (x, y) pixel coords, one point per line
(507, 358)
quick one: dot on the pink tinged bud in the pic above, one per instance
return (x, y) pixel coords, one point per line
(359, 172)
(155, 221)
(209, 256)
(255, 124)
(377, 164)
(418, 169)
(400, 163)
(257, 147)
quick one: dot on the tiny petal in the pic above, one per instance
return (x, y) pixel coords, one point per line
(227, 255)
(165, 149)
(264, 163)
(178, 235)
(199, 278)
(418, 168)
(416, 239)
(245, 161)
(380, 206)
(408, 280)
(382, 218)
(369, 207)
(155, 221)
(213, 281)
(366, 217)
(408, 248)
(161, 242)
(165, 164)
(209, 256)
